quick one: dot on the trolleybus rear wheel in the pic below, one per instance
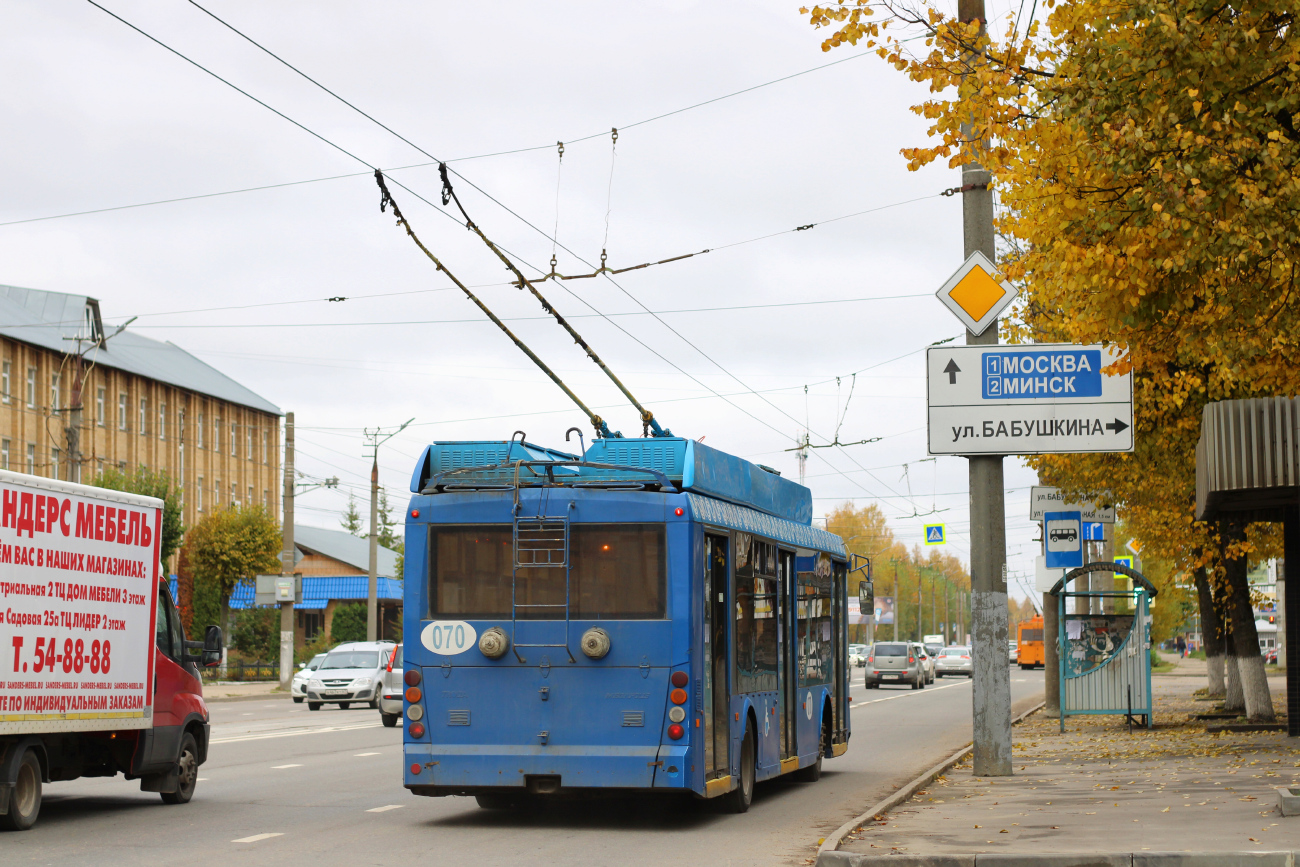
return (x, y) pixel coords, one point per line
(739, 798)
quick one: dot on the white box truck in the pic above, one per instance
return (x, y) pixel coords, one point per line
(96, 677)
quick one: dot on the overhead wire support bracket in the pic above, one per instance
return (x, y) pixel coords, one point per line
(386, 199)
(649, 425)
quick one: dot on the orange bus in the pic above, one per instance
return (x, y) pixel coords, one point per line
(1029, 642)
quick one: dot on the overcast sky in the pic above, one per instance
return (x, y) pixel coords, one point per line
(97, 116)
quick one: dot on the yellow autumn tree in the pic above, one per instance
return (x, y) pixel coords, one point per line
(1144, 155)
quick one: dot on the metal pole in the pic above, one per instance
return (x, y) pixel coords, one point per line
(1291, 552)
(286, 557)
(372, 598)
(897, 602)
(920, 602)
(991, 697)
(1051, 656)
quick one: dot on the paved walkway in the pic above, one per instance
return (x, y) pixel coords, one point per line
(237, 691)
(1097, 788)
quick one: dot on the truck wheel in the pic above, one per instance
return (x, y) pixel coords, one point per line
(187, 772)
(390, 721)
(739, 799)
(25, 799)
(313, 705)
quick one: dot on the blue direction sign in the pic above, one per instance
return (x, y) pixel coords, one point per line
(935, 534)
(1063, 533)
(1092, 532)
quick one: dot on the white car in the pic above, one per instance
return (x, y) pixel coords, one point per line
(298, 686)
(350, 673)
(857, 655)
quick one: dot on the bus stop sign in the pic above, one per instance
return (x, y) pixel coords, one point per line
(1063, 532)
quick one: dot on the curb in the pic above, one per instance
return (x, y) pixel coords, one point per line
(1100, 859)
(269, 695)
(832, 842)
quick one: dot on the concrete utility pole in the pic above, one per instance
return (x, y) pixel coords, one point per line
(286, 557)
(991, 701)
(372, 596)
(897, 602)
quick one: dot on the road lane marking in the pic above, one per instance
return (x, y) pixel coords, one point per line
(909, 693)
(359, 755)
(312, 731)
(384, 809)
(282, 767)
(256, 837)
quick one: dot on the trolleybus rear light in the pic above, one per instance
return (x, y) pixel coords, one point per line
(676, 714)
(414, 712)
(679, 678)
(415, 513)
(417, 730)
(412, 677)
(675, 732)
(415, 767)
(677, 696)
(413, 694)
(678, 511)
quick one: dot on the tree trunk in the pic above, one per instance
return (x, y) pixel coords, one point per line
(1233, 699)
(1245, 640)
(1211, 635)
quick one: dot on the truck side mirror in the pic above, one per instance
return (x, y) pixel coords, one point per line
(212, 646)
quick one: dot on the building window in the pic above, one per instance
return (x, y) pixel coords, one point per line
(234, 494)
(55, 455)
(55, 403)
(248, 445)
(312, 624)
(263, 446)
(144, 414)
(216, 434)
(31, 386)
(216, 494)
(121, 411)
(266, 499)
(234, 440)
(99, 407)
(4, 454)
(162, 421)
(31, 459)
(251, 501)
(198, 494)
(198, 432)
(4, 382)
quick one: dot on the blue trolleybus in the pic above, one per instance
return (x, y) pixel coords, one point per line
(651, 615)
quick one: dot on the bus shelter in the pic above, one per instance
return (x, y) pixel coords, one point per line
(1105, 646)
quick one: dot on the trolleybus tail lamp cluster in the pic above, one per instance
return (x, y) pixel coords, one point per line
(595, 642)
(679, 511)
(415, 513)
(417, 730)
(494, 643)
(678, 696)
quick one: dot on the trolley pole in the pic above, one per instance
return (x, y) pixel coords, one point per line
(286, 557)
(991, 700)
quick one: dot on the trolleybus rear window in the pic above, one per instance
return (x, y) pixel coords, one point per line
(616, 572)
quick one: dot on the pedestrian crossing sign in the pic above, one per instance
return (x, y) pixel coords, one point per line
(935, 534)
(1125, 561)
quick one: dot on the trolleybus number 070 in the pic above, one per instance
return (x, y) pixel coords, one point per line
(448, 637)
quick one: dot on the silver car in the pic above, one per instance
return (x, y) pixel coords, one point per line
(351, 672)
(894, 662)
(298, 686)
(927, 661)
(954, 660)
(390, 699)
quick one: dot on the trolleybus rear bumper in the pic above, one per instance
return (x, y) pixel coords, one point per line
(455, 770)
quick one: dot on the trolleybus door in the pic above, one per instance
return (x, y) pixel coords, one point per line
(788, 687)
(717, 731)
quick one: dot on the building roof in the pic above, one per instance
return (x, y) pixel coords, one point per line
(343, 546)
(317, 591)
(52, 320)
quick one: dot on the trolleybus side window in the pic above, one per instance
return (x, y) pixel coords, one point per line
(617, 571)
(754, 593)
(816, 623)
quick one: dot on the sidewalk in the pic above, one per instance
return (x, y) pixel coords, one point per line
(235, 691)
(1098, 789)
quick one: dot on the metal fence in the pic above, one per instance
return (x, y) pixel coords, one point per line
(244, 671)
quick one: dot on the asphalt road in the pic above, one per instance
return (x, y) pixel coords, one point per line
(284, 786)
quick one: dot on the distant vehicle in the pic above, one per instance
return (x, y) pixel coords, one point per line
(1029, 639)
(927, 662)
(1063, 534)
(1013, 651)
(934, 648)
(857, 655)
(954, 659)
(390, 698)
(894, 662)
(298, 686)
(351, 672)
(936, 640)
(103, 681)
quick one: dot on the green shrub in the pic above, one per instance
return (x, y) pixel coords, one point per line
(349, 623)
(257, 634)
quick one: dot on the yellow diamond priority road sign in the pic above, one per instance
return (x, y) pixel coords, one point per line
(974, 295)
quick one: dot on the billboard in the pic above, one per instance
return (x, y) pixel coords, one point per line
(884, 610)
